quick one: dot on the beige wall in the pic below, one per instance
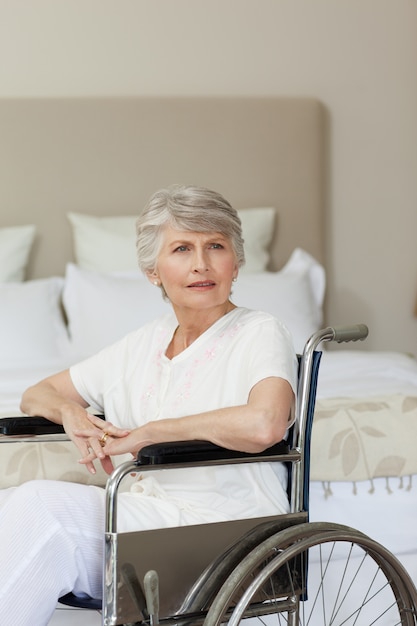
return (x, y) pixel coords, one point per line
(358, 57)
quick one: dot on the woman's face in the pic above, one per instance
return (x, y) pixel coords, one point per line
(195, 269)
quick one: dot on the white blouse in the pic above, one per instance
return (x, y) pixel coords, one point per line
(133, 382)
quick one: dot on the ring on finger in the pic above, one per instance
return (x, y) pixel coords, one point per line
(103, 439)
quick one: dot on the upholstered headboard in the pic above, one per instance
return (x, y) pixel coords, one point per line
(106, 157)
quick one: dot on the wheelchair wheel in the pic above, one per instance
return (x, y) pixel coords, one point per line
(317, 574)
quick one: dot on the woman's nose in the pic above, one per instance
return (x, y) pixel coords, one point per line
(200, 262)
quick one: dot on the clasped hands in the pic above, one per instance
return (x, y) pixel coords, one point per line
(99, 439)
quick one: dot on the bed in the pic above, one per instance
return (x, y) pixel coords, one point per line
(75, 173)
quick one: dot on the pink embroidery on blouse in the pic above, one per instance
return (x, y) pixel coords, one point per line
(210, 354)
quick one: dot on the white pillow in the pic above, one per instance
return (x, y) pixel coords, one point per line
(15, 245)
(301, 262)
(32, 325)
(257, 229)
(102, 308)
(104, 244)
(294, 295)
(108, 244)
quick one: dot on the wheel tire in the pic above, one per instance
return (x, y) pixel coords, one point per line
(352, 580)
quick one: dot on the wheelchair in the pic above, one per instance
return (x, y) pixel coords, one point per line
(272, 570)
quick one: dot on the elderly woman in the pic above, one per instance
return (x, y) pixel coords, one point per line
(210, 371)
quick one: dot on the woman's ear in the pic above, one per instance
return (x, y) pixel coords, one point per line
(153, 278)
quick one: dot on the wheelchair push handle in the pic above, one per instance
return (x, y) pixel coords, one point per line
(352, 332)
(355, 332)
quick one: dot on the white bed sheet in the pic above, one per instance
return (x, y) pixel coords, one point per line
(388, 515)
(356, 373)
(14, 379)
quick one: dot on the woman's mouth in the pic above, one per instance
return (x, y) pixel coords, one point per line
(202, 284)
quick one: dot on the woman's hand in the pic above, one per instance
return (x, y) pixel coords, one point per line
(90, 433)
(130, 443)
(57, 399)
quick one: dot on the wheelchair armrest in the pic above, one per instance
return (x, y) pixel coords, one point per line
(30, 426)
(199, 451)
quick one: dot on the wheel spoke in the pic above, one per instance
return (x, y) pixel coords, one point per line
(351, 581)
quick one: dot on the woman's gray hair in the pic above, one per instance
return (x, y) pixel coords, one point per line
(188, 208)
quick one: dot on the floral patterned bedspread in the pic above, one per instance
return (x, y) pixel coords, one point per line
(354, 439)
(357, 439)
(54, 460)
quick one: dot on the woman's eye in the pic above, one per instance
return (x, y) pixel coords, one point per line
(217, 246)
(181, 249)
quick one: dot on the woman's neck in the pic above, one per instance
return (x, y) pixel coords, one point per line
(191, 326)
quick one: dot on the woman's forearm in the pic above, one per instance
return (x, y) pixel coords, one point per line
(43, 400)
(252, 427)
(53, 398)
(237, 428)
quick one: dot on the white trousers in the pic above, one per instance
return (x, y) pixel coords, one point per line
(51, 543)
(52, 532)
